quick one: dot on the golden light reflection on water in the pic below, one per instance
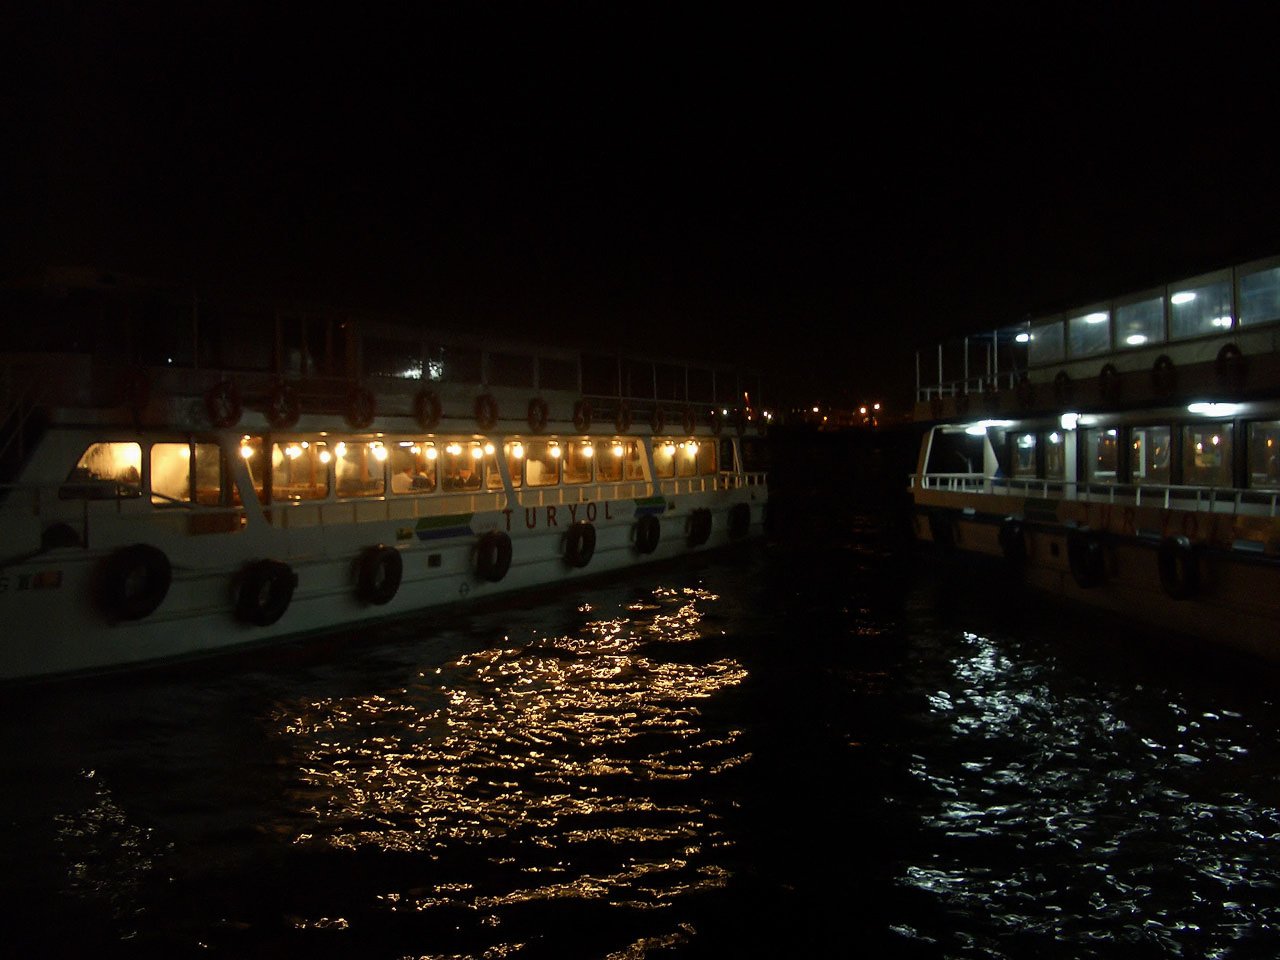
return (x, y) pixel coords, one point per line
(574, 763)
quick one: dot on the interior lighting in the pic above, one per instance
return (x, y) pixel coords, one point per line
(453, 449)
(476, 453)
(1221, 321)
(588, 450)
(246, 451)
(325, 456)
(341, 449)
(1215, 439)
(617, 450)
(517, 451)
(1184, 296)
(488, 449)
(976, 430)
(555, 451)
(1055, 437)
(432, 452)
(1214, 409)
(1068, 421)
(379, 453)
(1023, 338)
(1135, 339)
(1096, 318)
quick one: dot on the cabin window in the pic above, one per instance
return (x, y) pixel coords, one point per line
(460, 467)
(359, 468)
(1055, 456)
(413, 466)
(1089, 333)
(514, 452)
(105, 471)
(186, 473)
(1024, 455)
(1264, 455)
(254, 461)
(1194, 311)
(492, 475)
(619, 461)
(1045, 345)
(542, 463)
(577, 461)
(1260, 297)
(706, 458)
(1149, 454)
(664, 460)
(1206, 455)
(1101, 454)
(299, 471)
(687, 458)
(1140, 323)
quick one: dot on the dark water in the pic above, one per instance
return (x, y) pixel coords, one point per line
(819, 746)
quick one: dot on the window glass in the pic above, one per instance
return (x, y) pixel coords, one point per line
(619, 461)
(577, 461)
(1101, 454)
(1206, 455)
(1089, 333)
(1024, 455)
(664, 459)
(687, 458)
(460, 467)
(174, 466)
(359, 468)
(1149, 454)
(1045, 345)
(1264, 455)
(298, 472)
(413, 466)
(1140, 323)
(1055, 456)
(256, 463)
(106, 471)
(492, 475)
(1260, 296)
(541, 463)
(706, 458)
(514, 451)
(1194, 311)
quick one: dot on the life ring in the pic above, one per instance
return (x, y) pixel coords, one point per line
(1025, 392)
(1062, 387)
(1230, 366)
(379, 571)
(134, 581)
(739, 521)
(222, 404)
(580, 543)
(361, 407)
(426, 409)
(658, 419)
(493, 556)
(699, 527)
(689, 420)
(1013, 542)
(283, 409)
(648, 531)
(942, 530)
(622, 417)
(1109, 382)
(1164, 376)
(1086, 557)
(486, 411)
(582, 415)
(716, 420)
(537, 414)
(1179, 565)
(265, 591)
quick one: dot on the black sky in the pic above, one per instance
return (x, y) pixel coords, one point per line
(819, 194)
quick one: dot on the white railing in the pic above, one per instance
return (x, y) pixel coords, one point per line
(1170, 497)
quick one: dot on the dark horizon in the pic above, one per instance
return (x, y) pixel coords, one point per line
(780, 195)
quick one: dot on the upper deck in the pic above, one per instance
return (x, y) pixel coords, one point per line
(1211, 336)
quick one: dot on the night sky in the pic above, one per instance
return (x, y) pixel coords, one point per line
(816, 194)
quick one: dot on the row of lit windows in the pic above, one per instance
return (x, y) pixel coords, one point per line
(1192, 311)
(1205, 454)
(193, 472)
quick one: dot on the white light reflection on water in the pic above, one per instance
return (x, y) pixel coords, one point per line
(570, 763)
(1058, 822)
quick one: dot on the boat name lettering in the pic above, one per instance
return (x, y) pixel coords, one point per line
(42, 580)
(551, 515)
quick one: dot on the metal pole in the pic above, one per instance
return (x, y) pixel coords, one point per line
(995, 353)
(966, 364)
(939, 369)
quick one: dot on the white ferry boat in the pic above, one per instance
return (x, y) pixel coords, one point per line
(180, 481)
(1125, 454)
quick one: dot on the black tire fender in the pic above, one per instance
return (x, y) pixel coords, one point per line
(647, 533)
(379, 571)
(134, 581)
(264, 592)
(493, 556)
(580, 543)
